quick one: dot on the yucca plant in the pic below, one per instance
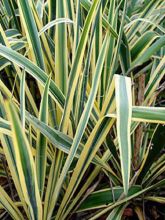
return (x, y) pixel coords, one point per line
(82, 109)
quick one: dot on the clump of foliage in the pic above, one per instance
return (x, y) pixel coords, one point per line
(82, 109)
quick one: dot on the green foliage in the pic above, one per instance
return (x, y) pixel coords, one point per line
(82, 109)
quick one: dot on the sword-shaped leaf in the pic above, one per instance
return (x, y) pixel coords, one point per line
(42, 140)
(25, 164)
(124, 113)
